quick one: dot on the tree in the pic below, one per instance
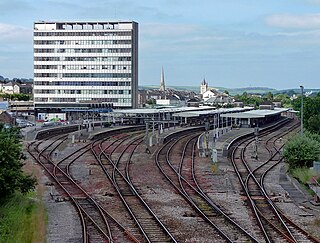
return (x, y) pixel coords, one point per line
(269, 96)
(284, 99)
(313, 124)
(311, 112)
(151, 102)
(301, 151)
(12, 178)
(313, 136)
(226, 92)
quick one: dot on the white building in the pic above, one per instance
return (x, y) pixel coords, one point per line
(85, 65)
(209, 94)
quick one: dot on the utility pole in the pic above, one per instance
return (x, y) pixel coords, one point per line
(256, 134)
(147, 137)
(301, 118)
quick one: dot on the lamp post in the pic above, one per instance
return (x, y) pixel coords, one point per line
(301, 118)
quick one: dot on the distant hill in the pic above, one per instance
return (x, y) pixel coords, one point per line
(251, 90)
(232, 91)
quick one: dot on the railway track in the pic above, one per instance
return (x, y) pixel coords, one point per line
(97, 224)
(182, 177)
(114, 159)
(273, 224)
(114, 155)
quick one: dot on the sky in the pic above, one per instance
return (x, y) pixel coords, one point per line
(230, 43)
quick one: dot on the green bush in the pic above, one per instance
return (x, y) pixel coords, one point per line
(301, 151)
(313, 136)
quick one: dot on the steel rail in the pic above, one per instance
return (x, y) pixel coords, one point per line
(80, 210)
(202, 194)
(157, 160)
(99, 159)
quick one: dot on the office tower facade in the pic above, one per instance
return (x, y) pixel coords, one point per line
(82, 66)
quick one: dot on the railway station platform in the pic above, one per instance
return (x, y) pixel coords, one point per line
(219, 140)
(160, 136)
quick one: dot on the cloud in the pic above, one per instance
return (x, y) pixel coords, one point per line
(14, 33)
(168, 30)
(314, 1)
(308, 21)
(10, 6)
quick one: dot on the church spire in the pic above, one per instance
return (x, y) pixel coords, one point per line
(203, 86)
(162, 85)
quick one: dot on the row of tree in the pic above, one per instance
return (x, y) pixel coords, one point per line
(256, 100)
(19, 97)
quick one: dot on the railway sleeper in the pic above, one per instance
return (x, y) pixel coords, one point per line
(127, 193)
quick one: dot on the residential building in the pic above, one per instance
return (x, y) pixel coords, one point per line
(13, 87)
(210, 93)
(80, 66)
(194, 102)
(24, 88)
(221, 100)
(10, 88)
(6, 118)
(173, 100)
(266, 105)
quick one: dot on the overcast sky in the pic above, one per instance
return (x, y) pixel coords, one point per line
(232, 43)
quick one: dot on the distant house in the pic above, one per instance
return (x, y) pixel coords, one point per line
(16, 88)
(24, 88)
(6, 118)
(8, 88)
(277, 104)
(221, 99)
(266, 105)
(193, 102)
(170, 100)
(209, 94)
(238, 103)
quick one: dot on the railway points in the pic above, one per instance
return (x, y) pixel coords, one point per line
(131, 169)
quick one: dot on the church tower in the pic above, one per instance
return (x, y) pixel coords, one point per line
(162, 84)
(203, 86)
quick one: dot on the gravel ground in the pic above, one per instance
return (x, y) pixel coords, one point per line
(174, 212)
(63, 220)
(222, 187)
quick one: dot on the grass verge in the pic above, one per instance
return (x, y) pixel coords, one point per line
(22, 219)
(303, 175)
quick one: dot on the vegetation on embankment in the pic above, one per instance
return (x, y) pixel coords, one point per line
(22, 219)
(22, 214)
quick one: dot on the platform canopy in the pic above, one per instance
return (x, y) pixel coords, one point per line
(151, 111)
(255, 113)
(195, 114)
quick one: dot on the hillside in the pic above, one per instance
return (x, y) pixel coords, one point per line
(232, 91)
